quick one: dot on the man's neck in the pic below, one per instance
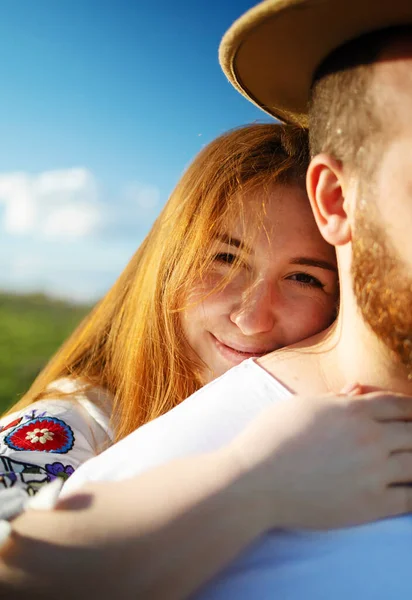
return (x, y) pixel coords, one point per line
(347, 353)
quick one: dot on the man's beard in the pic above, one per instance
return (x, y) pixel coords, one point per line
(383, 287)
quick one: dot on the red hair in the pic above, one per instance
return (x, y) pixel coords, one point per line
(131, 344)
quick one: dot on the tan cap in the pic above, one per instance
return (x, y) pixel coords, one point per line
(271, 53)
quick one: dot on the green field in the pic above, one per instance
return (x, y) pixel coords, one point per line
(31, 329)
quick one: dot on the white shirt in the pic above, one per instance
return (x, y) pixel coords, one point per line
(207, 420)
(371, 562)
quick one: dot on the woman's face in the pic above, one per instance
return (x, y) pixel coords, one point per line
(285, 290)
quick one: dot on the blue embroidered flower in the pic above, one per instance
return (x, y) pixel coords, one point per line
(57, 469)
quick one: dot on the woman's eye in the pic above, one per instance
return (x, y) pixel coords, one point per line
(225, 257)
(307, 280)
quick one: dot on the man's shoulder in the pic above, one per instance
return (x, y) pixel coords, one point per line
(205, 422)
(248, 377)
(298, 368)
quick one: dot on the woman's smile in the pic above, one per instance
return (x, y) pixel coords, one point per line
(235, 352)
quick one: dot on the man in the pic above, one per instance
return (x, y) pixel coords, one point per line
(346, 68)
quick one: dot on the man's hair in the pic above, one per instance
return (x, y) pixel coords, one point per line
(343, 117)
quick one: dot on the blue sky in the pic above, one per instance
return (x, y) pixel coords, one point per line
(102, 105)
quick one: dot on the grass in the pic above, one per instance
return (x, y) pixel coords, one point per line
(32, 327)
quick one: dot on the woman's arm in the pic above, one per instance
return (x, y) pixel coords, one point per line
(157, 536)
(311, 463)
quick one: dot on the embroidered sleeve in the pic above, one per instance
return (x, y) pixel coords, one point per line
(47, 440)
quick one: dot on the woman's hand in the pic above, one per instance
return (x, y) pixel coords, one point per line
(329, 462)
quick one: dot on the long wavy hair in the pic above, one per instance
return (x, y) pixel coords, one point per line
(131, 344)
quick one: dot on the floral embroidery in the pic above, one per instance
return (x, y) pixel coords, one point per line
(30, 477)
(10, 425)
(42, 434)
(39, 435)
(33, 414)
(14, 471)
(57, 469)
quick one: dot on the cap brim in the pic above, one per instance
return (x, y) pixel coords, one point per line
(271, 53)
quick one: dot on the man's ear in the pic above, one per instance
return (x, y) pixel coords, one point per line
(324, 182)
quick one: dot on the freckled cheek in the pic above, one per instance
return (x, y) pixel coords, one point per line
(219, 304)
(324, 311)
(205, 310)
(208, 306)
(310, 317)
(194, 325)
(211, 284)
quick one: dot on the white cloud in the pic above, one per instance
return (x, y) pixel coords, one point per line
(53, 203)
(20, 212)
(71, 221)
(78, 271)
(146, 197)
(64, 183)
(61, 234)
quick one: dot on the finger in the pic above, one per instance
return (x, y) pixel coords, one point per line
(398, 501)
(5, 531)
(397, 435)
(47, 497)
(351, 389)
(400, 468)
(390, 407)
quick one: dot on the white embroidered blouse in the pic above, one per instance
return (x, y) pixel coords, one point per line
(50, 439)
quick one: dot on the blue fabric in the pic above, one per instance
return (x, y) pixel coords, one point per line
(370, 562)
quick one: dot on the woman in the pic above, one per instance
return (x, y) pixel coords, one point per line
(233, 267)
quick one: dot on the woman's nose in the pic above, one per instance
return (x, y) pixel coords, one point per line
(256, 312)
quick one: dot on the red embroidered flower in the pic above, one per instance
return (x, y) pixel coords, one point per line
(45, 434)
